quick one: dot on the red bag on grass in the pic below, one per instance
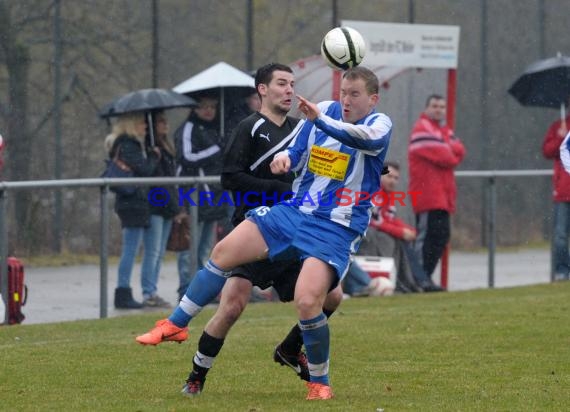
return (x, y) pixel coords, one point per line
(17, 291)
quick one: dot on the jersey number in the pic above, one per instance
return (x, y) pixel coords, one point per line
(261, 210)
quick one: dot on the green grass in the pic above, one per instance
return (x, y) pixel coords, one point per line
(485, 350)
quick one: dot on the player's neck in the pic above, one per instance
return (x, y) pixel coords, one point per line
(277, 118)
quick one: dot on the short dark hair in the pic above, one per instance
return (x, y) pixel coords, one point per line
(370, 79)
(206, 94)
(433, 97)
(393, 164)
(264, 74)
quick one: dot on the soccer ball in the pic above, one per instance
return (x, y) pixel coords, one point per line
(343, 48)
(382, 287)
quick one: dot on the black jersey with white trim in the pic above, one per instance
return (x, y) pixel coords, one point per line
(247, 157)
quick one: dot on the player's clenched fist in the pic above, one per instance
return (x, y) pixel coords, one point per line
(280, 164)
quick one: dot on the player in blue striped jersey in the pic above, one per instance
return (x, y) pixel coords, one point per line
(359, 150)
(341, 147)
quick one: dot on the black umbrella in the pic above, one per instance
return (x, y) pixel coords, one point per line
(146, 100)
(545, 83)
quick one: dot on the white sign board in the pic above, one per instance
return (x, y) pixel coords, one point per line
(408, 45)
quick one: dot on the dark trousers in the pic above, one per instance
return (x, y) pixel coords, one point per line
(433, 235)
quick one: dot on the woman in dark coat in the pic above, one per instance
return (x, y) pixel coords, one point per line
(127, 140)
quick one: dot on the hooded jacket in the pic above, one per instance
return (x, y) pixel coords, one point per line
(199, 153)
(433, 154)
(551, 150)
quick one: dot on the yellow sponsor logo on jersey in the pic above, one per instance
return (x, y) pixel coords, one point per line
(328, 163)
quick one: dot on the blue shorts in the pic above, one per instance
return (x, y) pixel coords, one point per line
(292, 234)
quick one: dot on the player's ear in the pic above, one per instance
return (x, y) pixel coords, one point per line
(262, 89)
(374, 99)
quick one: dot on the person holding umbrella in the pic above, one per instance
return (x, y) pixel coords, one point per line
(546, 83)
(126, 144)
(199, 153)
(561, 197)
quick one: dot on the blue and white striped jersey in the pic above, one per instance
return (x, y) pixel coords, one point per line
(565, 153)
(339, 165)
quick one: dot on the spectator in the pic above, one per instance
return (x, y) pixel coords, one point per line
(434, 152)
(156, 234)
(127, 140)
(199, 153)
(391, 236)
(561, 196)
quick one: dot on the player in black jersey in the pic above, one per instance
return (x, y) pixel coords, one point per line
(247, 174)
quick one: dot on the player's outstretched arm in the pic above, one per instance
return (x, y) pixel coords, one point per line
(309, 109)
(371, 137)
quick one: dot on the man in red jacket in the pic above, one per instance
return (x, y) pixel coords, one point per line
(433, 154)
(561, 194)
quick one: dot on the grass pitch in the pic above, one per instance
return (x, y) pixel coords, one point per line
(484, 350)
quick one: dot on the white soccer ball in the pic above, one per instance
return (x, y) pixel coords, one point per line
(343, 48)
(382, 287)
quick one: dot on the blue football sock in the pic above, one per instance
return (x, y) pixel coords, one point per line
(316, 338)
(203, 289)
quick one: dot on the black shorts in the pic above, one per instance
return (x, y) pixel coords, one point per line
(282, 275)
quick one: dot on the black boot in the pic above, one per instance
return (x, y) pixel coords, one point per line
(124, 299)
(429, 286)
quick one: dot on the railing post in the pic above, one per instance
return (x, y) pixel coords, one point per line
(4, 254)
(194, 234)
(491, 234)
(444, 272)
(552, 248)
(104, 253)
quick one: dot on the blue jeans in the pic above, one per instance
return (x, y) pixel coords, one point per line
(131, 241)
(415, 264)
(205, 244)
(356, 280)
(561, 231)
(155, 238)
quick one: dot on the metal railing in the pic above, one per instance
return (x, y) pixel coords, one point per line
(491, 219)
(105, 184)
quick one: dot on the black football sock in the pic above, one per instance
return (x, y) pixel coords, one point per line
(328, 313)
(293, 342)
(208, 349)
